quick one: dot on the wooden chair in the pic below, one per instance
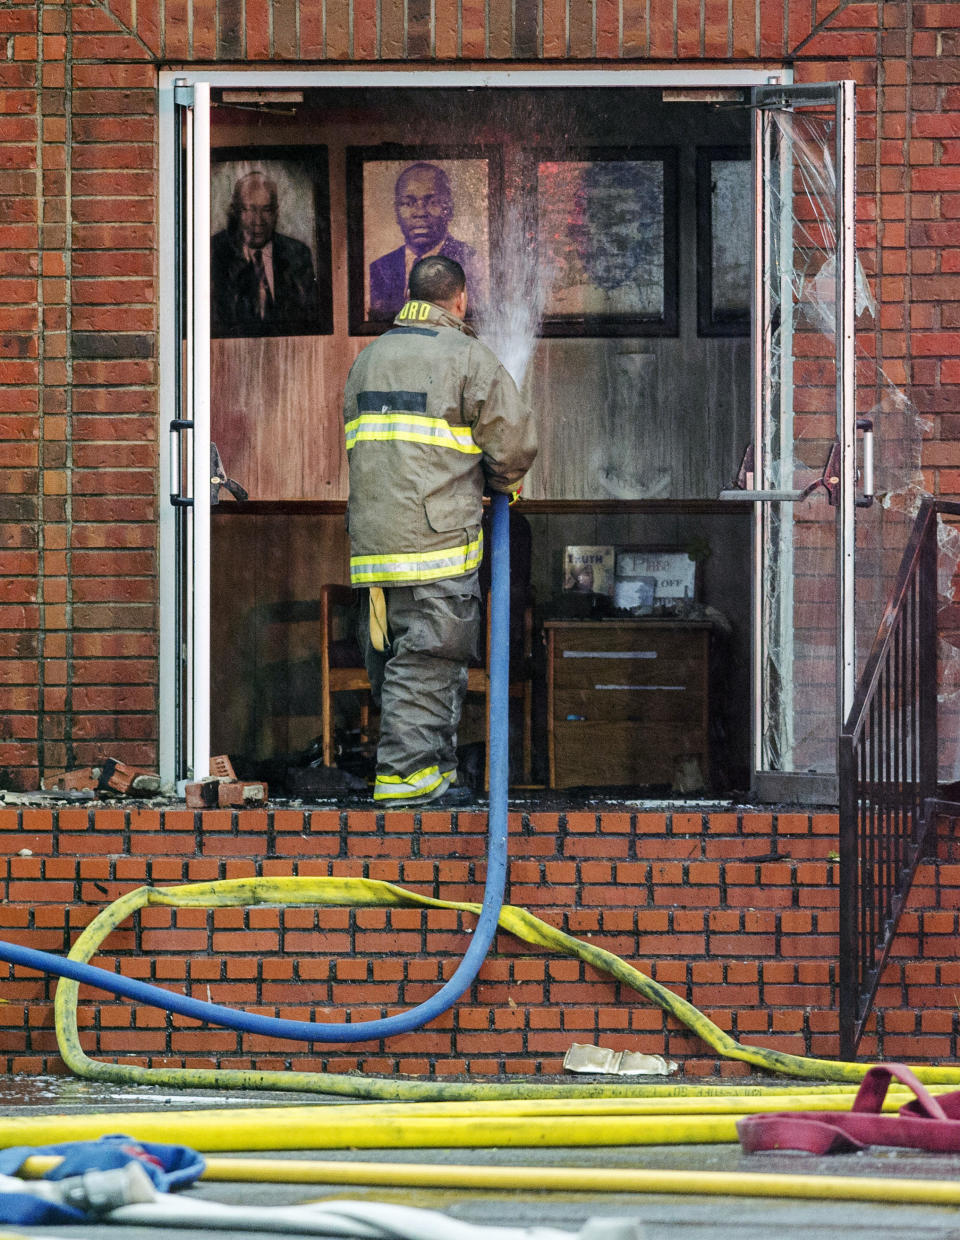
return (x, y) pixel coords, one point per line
(342, 669)
(341, 662)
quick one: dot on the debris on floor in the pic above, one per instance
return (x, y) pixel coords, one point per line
(583, 1058)
(113, 778)
(223, 788)
(317, 780)
(241, 793)
(128, 780)
(301, 775)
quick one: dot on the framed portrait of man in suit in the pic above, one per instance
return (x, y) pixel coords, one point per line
(270, 242)
(405, 203)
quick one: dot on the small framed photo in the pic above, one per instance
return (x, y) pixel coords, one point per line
(724, 240)
(655, 577)
(270, 242)
(588, 569)
(607, 237)
(404, 203)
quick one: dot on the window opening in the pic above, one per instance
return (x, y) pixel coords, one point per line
(596, 461)
(638, 406)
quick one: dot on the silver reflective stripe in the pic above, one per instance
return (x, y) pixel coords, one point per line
(646, 688)
(610, 654)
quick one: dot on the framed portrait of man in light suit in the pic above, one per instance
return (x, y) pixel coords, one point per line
(270, 242)
(405, 203)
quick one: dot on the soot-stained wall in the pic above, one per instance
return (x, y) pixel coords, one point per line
(624, 417)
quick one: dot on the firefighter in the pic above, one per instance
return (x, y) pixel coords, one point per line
(431, 420)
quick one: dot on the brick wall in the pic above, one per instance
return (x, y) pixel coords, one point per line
(78, 267)
(78, 461)
(737, 912)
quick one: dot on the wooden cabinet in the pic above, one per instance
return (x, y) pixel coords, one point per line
(627, 701)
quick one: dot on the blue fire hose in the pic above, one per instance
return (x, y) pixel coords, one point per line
(469, 967)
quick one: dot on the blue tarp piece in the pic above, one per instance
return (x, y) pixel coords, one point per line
(168, 1166)
(22, 1208)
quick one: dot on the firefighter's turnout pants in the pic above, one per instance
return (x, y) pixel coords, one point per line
(419, 682)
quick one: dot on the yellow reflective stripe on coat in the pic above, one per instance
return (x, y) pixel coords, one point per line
(419, 784)
(410, 428)
(428, 566)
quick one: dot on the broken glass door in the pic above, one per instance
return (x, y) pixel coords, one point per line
(803, 469)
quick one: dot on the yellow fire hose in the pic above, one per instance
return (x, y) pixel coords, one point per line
(483, 1114)
(900, 1191)
(573, 1123)
(584, 1179)
(359, 892)
(324, 1128)
(645, 1120)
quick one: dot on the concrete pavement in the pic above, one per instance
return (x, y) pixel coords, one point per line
(668, 1217)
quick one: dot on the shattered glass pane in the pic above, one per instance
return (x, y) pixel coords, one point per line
(798, 401)
(799, 548)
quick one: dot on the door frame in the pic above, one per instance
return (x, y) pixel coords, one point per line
(197, 761)
(797, 787)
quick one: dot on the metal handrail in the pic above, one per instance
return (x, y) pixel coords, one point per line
(887, 763)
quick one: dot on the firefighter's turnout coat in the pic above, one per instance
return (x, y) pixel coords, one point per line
(431, 416)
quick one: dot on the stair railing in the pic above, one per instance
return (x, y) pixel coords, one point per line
(887, 764)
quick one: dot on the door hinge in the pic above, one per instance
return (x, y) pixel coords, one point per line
(804, 95)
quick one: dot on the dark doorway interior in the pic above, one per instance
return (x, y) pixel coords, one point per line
(644, 405)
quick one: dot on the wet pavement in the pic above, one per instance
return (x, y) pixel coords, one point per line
(663, 1217)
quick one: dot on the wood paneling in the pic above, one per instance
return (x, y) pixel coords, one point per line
(625, 419)
(620, 418)
(264, 619)
(275, 414)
